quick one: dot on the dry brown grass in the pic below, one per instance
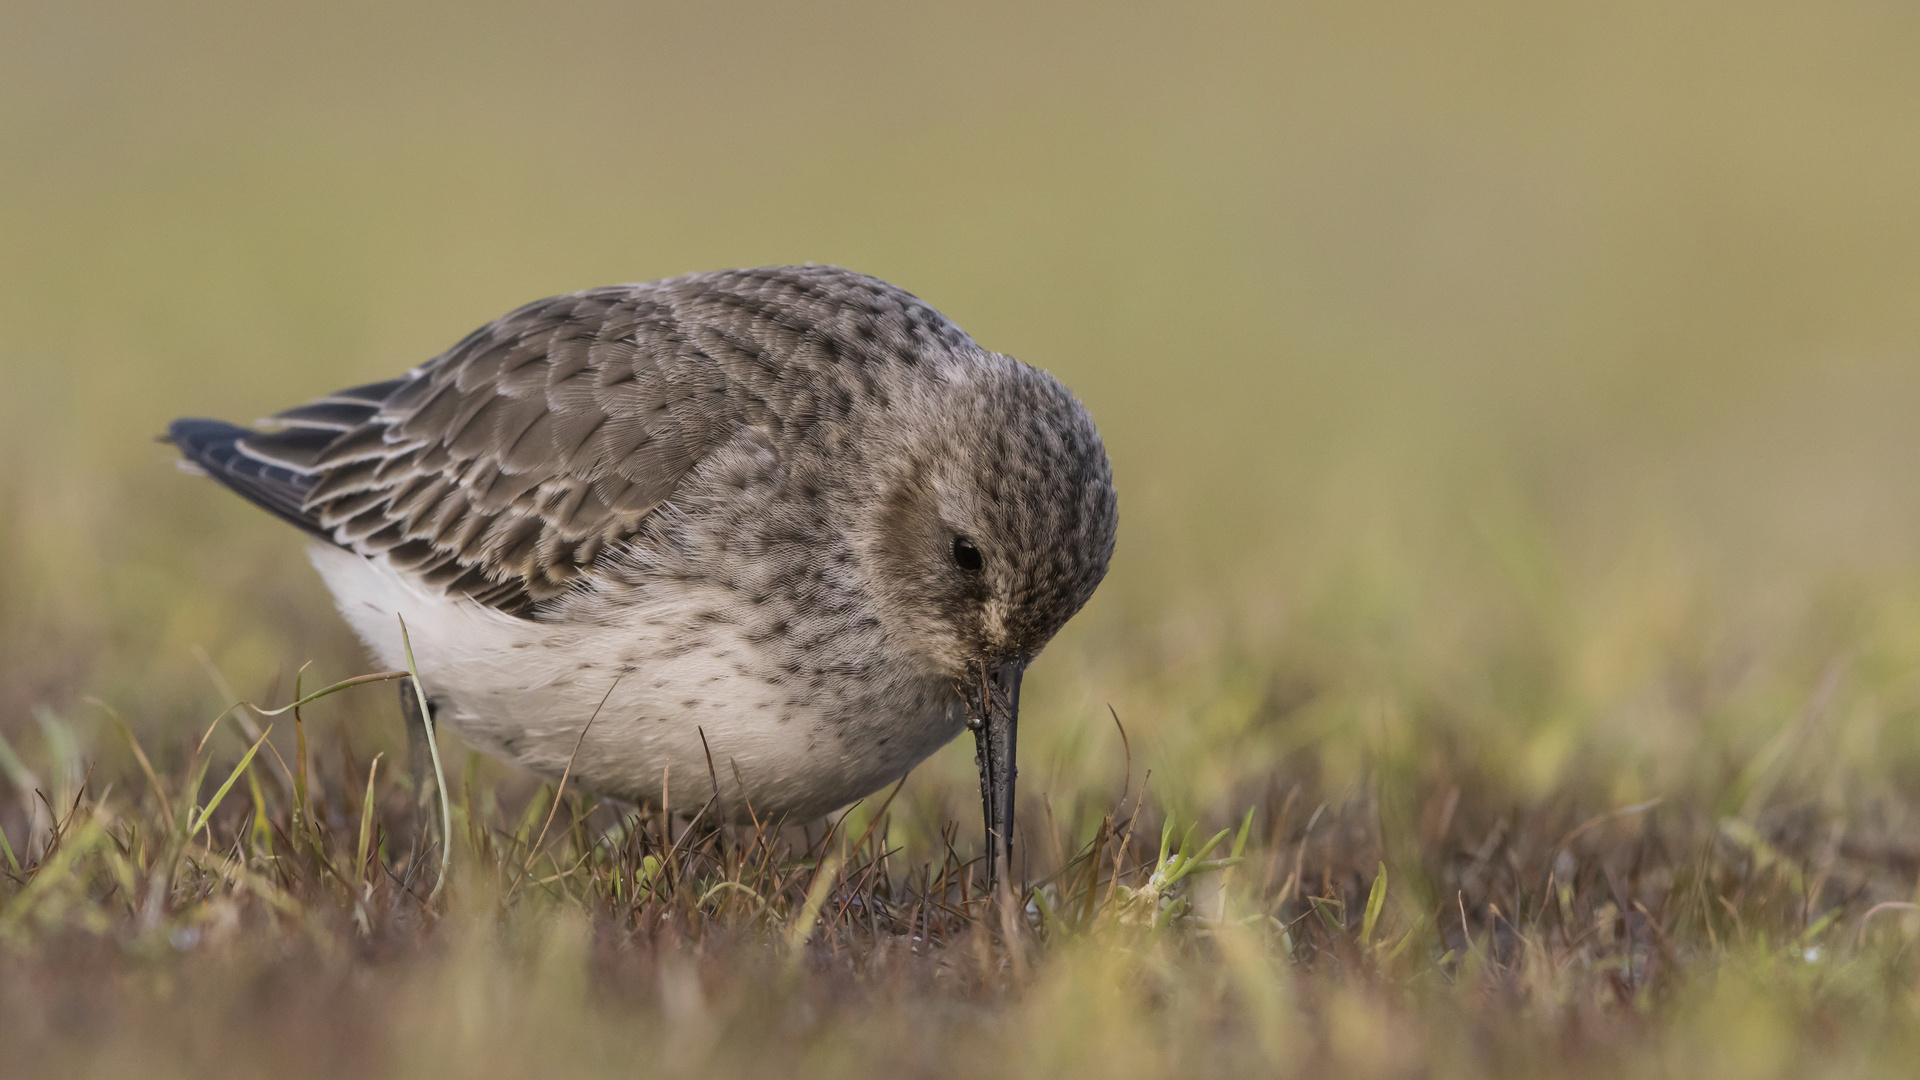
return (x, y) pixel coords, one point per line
(240, 913)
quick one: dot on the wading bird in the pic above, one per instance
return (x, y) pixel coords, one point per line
(766, 537)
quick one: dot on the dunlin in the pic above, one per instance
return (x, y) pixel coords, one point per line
(765, 537)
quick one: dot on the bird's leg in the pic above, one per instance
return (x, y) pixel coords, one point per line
(419, 755)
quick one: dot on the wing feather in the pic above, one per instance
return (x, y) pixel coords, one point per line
(504, 467)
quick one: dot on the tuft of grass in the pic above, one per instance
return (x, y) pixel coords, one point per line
(586, 935)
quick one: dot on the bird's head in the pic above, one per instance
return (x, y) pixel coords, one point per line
(993, 522)
(995, 516)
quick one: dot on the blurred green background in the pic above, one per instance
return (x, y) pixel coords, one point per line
(1510, 391)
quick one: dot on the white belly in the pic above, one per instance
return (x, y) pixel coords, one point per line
(662, 721)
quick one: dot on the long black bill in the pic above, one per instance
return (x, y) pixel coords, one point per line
(994, 733)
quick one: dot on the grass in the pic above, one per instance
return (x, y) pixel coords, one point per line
(1512, 414)
(240, 912)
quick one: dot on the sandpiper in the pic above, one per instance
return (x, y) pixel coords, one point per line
(762, 537)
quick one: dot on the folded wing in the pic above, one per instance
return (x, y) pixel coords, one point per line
(506, 466)
(502, 468)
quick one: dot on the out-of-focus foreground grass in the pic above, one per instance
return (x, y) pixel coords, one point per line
(1513, 411)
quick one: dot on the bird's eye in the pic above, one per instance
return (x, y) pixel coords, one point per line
(965, 555)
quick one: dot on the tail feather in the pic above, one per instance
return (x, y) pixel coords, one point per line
(277, 469)
(220, 449)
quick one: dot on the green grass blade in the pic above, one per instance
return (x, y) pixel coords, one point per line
(7, 850)
(139, 756)
(1376, 900)
(1240, 838)
(262, 834)
(344, 684)
(439, 775)
(213, 804)
(302, 809)
(17, 773)
(366, 824)
(823, 878)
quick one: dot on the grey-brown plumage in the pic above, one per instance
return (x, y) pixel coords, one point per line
(798, 479)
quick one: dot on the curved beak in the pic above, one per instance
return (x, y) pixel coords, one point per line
(994, 730)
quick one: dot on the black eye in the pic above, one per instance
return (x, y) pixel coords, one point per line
(965, 555)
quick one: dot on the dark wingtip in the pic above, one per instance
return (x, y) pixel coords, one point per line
(197, 434)
(214, 446)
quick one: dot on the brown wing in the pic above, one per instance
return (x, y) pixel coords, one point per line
(504, 467)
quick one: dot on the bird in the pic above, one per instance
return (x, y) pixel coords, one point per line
(755, 540)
